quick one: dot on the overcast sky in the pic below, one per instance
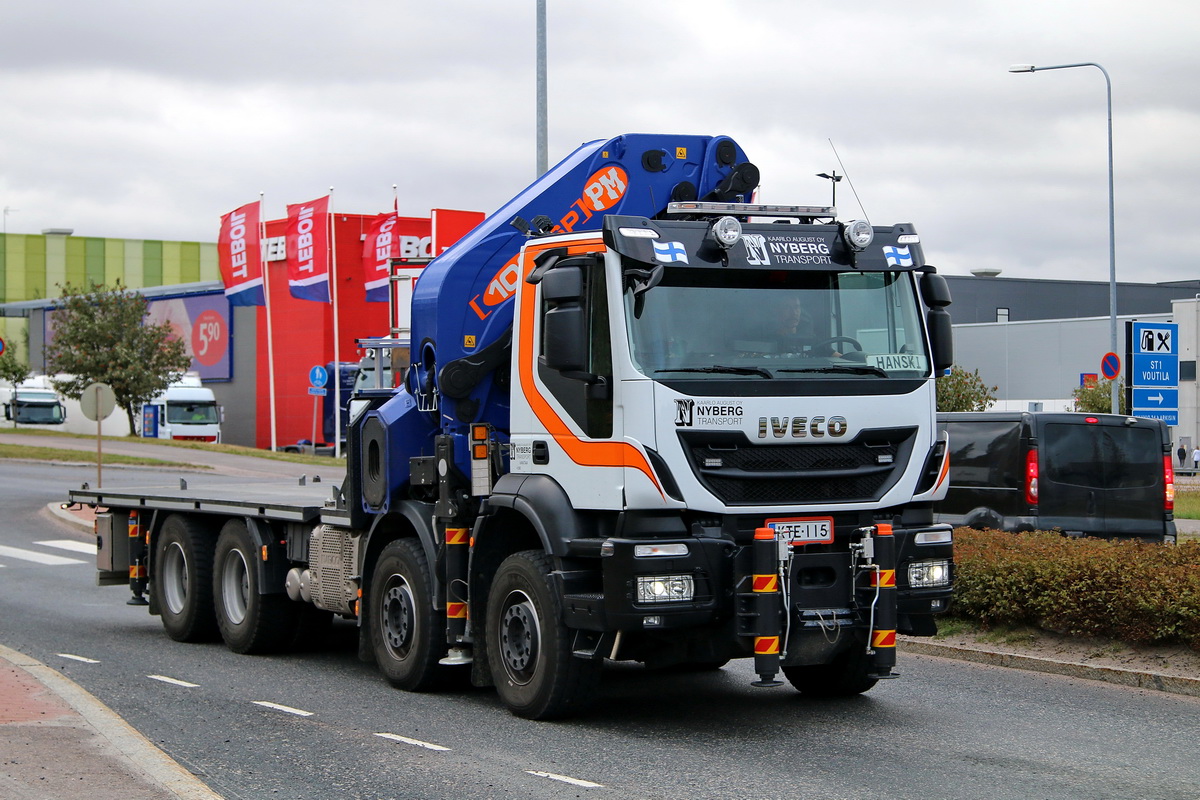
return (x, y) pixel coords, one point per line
(148, 119)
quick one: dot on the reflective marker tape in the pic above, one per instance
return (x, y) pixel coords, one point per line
(883, 639)
(885, 578)
(766, 645)
(766, 583)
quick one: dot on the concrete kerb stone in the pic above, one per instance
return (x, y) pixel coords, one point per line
(141, 755)
(1117, 675)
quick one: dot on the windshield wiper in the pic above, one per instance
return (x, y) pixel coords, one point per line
(857, 369)
(720, 368)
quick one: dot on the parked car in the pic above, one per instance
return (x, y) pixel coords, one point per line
(1081, 474)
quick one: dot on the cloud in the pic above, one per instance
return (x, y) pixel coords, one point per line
(141, 119)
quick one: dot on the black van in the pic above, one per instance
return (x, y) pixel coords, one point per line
(1082, 474)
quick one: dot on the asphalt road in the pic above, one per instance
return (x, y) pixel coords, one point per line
(944, 730)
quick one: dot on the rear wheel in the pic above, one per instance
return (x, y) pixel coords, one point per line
(250, 622)
(182, 586)
(845, 676)
(405, 627)
(529, 647)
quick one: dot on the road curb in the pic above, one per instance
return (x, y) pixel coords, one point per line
(1140, 679)
(140, 753)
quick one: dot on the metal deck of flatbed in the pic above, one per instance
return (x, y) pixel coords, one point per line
(273, 500)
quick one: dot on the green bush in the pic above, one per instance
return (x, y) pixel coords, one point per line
(1136, 592)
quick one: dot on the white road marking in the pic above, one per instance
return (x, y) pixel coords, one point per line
(37, 558)
(573, 781)
(73, 545)
(77, 658)
(173, 681)
(416, 742)
(285, 709)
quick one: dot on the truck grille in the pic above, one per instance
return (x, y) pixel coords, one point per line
(743, 473)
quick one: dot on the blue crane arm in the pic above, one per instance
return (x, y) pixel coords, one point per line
(462, 305)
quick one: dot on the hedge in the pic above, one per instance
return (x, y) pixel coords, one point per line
(1133, 591)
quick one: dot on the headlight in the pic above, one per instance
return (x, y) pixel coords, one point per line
(859, 234)
(929, 574)
(665, 588)
(726, 231)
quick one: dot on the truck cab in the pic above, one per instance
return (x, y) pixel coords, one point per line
(186, 410)
(34, 402)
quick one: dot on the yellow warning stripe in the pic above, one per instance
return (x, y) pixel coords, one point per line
(766, 645)
(766, 583)
(884, 578)
(883, 639)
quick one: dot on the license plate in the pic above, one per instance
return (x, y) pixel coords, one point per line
(803, 530)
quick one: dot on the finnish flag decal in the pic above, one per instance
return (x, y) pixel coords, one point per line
(898, 256)
(669, 252)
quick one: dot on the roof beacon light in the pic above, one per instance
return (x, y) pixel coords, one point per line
(726, 232)
(859, 234)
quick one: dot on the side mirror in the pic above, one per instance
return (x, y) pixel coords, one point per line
(941, 339)
(564, 327)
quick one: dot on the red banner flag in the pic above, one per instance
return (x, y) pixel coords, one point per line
(307, 240)
(239, 256)
(390, 236)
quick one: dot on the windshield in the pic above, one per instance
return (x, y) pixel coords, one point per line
(764, 324)
(192, 413)
(39, 414)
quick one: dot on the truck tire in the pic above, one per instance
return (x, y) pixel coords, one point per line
(845, 676)
(529, 647)
(250, 622)
(407, 632)
(182, 585)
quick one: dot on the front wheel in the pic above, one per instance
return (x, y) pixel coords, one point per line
(250, 622)
(182, 581)
(529, 647)
(845, 676)
(405, 627)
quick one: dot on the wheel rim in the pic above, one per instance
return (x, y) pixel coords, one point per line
(397, 618)
(235, 586)
(175, 578)
(520, 637)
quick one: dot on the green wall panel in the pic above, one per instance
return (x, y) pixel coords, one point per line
(152, 263)
(76, 265)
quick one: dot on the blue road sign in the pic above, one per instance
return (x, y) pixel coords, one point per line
(1110, 365)
(1154, 371)
(1155, 399)
(316, 391)
(317, 376)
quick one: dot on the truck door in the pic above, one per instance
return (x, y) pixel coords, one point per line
(565, 373)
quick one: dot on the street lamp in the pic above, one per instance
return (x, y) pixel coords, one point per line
(833, 179)
(1112, 247)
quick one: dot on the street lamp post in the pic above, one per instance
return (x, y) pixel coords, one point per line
(1112, 247)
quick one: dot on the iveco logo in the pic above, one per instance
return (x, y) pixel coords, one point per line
(801, 427)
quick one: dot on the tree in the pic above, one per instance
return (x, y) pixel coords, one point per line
(964, 391)
(1098, 399)
(99, 335)
(13, 370)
